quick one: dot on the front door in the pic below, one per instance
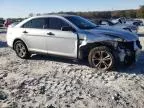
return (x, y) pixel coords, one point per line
(61, 42)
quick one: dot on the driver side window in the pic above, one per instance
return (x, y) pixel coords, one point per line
(56, 23)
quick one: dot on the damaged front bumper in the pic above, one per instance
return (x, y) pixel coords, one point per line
(129, 51)
(137, 53)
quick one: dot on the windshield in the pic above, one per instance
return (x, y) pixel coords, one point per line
(80, 22)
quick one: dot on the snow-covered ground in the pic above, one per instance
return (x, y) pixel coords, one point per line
(52, 82)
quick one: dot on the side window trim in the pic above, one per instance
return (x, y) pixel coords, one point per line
(46, 23)
(30, 21)
(58, 19)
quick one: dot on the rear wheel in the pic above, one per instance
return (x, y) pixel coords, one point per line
(101, 58)
(21, 50)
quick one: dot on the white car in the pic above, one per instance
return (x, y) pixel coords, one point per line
(73, 37)
(131, 23)
(134, 22)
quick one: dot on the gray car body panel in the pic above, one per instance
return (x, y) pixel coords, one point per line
(106, 31)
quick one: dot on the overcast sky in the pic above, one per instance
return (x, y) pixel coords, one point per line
(21, 8)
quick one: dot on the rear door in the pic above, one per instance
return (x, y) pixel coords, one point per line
(34, 35)
(60, 42)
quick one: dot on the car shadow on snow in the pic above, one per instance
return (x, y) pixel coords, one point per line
(137, 68)
(59, 59)
(3, 44)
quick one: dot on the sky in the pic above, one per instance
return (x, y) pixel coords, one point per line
(22, 8)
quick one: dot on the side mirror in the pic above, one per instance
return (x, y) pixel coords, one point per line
(66, 28)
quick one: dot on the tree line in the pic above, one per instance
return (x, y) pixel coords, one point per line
(133, 13)
(137, 13)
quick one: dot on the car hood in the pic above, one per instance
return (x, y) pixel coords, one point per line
(116, 33)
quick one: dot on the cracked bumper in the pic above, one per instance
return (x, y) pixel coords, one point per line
(129, 54)
(137, 54)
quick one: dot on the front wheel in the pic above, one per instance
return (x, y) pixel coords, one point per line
(101, 58)
(21, 50)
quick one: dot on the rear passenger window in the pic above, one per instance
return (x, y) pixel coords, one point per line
(35, 23)
(56, 23)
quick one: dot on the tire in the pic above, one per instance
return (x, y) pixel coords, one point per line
(101, 58)
(21, 50)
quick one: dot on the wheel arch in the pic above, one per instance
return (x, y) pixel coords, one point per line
(18, 39)
(84, 50)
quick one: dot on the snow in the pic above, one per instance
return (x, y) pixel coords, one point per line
(53, 82)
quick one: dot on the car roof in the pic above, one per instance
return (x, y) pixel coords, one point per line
(53, 15)
(44, 16)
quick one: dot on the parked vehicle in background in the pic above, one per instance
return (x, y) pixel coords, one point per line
(108, 23)
(133, 25)
(74, 37)
(7, 22)
(140, 30)
(1, 22)
(134, 22)
(119, 20)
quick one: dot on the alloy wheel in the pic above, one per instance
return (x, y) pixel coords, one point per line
(20, 49)
(102, 60)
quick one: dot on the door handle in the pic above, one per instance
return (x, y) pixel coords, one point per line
(25, 32)
(50, 33)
